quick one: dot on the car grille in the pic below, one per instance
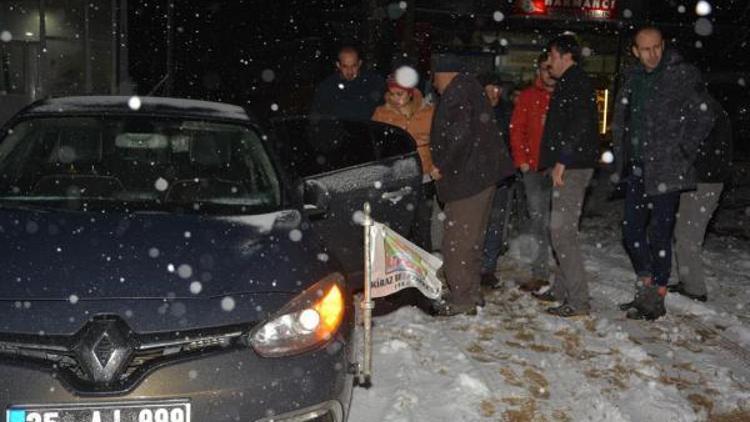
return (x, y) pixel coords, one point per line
(62, 356)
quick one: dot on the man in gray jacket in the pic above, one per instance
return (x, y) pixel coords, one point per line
(661, 116)
(470, 158)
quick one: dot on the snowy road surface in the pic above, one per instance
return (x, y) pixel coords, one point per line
(512, 362)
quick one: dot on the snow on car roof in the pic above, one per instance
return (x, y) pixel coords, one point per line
(133, 104)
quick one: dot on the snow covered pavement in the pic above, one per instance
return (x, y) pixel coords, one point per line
(512, 362)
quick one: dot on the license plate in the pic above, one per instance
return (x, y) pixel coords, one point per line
(170, 411)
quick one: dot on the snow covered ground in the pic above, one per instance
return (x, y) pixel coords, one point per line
(512, 362)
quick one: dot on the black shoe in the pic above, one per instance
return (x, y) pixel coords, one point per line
(626, 305)
(680, 288)
(649, 306)
(567, 311)
(491, 281)
(547, 296)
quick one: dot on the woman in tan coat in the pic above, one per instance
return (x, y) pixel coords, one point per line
(405, 108)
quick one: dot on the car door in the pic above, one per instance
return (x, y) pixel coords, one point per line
(354, 162)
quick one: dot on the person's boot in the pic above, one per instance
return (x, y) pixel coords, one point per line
(640, 284)
(650, 304)
(533, 285)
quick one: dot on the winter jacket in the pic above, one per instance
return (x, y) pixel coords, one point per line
(676, 118)
(417, 125)
(570, 132)
(527, 125)
(466, 144)
(355, 99)
(713, 163)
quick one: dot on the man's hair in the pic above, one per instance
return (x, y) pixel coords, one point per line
(541, 59)
(565, 44)
(643, 28)
(348, 49)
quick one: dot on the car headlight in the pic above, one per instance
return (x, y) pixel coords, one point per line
(309, 320)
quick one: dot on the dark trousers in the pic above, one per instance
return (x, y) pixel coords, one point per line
(647, 230)
(497, 228)
(463, 238)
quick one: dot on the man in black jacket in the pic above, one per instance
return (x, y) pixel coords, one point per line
(350, 92)
(470, 159)
(661, 116)
(713, 167)
(570, 149)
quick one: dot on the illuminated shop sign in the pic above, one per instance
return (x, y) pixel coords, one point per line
(595, 9)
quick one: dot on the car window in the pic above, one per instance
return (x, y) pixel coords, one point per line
(137, 163)
(311, 147)
(391, 141)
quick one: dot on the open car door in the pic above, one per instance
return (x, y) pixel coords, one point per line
(352, 162)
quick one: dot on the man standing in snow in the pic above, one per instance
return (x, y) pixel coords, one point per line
(661, 116)
(349, 93)
(527, 126)
(469, 158)
(713, 167)
(500, 210)
(570, 149)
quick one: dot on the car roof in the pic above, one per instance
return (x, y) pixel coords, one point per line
(148, 105)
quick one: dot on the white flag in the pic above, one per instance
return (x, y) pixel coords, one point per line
(398, 264)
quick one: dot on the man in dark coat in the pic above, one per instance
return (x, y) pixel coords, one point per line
(661, 116)
(349, 93)
(569, 150)
(470, 158)
(713, 167)
(497, 227)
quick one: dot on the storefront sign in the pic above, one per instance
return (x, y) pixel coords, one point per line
(594, 9)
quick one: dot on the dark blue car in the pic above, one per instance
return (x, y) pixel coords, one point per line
(172, 260)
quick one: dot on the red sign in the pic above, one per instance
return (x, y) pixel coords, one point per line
(595, 9)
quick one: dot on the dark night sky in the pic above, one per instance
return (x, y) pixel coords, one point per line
(228, 50)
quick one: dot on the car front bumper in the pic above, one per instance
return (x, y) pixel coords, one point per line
(231, 385)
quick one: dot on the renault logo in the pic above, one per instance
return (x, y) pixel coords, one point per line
(103, 350)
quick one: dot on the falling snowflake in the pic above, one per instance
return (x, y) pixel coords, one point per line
(268, 75)
(704, 27)
(703, 8)
(185, 271)
(6, 36)
(295, 235)
(196, 287)
(161, 184)
(407, 77)
(498, 16)
(134, 103)
(227, 304)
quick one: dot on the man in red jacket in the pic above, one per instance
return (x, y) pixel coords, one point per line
(526, 128)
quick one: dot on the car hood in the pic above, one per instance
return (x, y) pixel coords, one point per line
(157, 272)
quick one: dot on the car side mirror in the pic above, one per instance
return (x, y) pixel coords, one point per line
(315, 199)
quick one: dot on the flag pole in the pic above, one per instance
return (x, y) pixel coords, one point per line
(367, 304)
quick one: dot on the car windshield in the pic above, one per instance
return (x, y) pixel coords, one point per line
(126, 163)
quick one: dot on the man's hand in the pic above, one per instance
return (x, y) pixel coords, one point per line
(557, 175)
(435, 173)
(524, 167)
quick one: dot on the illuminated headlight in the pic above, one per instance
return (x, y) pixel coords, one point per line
(309, 320)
